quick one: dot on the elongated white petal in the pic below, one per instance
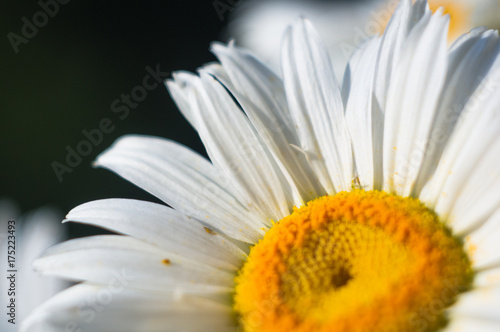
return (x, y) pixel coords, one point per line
(316, 105)
(364, 118)
(465, 188)
(235, 148)
(470, 59)
(121, 259)
(412, 102)
(483, 244)
(178, 91)
(488, 278)
(257, 82)
(405, 17)
(479, 196)
(261, 94)
(88, 307)
(183, 179)
(482, 303)
(471, 324)
(163, 227)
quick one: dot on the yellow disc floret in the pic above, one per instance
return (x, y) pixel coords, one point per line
(359, 261)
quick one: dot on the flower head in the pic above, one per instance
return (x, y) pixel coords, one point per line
(366, 206)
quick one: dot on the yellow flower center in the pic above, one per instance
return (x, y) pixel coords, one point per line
(358, 261)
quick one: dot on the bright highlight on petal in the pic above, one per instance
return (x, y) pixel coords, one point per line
(357, 261)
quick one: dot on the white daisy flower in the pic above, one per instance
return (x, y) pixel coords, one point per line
(343, 25)
(31, 235)
(395, 174)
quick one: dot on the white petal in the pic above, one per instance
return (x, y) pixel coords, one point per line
(183, 179)
(465, 189)
(88, 307)
(316, 105)
(483, 244)
(412, 102)
(470, 59)
(235, 148)
(177, 90)
(471, 324)
(479, 195)
(261, 94)
(482, 303)
(163, 227)
(255, 81)
(405, 17)
(487, 278)
(364, 119)
(111, 258)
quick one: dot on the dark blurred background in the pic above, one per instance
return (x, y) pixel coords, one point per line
(64, 78)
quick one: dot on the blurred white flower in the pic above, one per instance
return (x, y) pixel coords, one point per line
(343, 25)
(34, 232)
